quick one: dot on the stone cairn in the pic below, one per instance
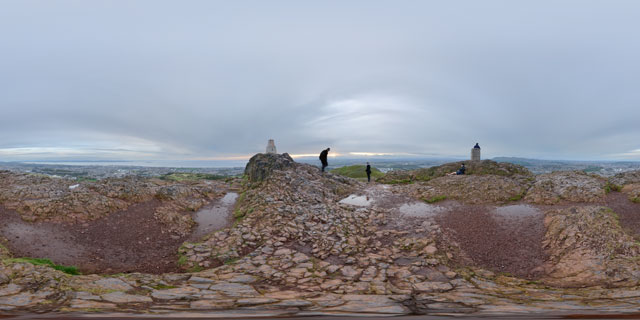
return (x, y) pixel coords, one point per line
(475, 153)
(271, 146)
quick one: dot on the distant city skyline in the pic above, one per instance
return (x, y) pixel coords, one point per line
(214, 80)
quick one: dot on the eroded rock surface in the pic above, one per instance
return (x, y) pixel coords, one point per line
(573, 186)
(295, 248)
(587, 246)
(43, 198)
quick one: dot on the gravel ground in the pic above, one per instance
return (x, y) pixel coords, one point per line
(500, 244)
(125, 241)
(628, 212)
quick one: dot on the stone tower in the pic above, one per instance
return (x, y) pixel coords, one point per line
(271, 147)
(475, 153)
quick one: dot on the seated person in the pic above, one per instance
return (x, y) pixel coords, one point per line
(459, 172)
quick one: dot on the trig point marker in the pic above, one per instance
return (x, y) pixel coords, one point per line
(271, 147)
(475, 153)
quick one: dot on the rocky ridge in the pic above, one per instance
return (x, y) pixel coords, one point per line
(295, 248)
(43, 198)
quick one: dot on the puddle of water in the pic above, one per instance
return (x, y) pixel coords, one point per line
(215, 217)
(420, 209)
(356, 200)
(518, 210)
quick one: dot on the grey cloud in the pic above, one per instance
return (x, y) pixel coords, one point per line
(194, 79)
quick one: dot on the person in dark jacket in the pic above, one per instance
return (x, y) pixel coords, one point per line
(368, 170)
(459, 172)
(323, 158)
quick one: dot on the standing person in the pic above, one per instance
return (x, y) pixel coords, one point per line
(368, 170)
(323, 158)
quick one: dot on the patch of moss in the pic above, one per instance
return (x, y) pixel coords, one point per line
(162, 286)
(195, 268)
(230, 261)
(4, 252)
(635, 200)
(435, 199)
(517, 197)
(45, 262)
(182, 260)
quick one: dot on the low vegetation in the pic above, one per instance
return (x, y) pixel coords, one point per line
(435, 199)
(357, 172)
(45, 262)
(612, 187)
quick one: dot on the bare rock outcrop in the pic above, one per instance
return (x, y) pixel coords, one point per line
(573, 186)
(44, 198)
(588, 247)
(473, 189)
(484, 167)
(261, 165)
(624, 178)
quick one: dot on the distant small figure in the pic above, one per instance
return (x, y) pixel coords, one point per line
(459, 172)
(271, 146)
(475, 153)
(323, 158)
(368, 170)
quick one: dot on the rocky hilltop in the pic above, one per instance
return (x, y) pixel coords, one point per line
(497, 240)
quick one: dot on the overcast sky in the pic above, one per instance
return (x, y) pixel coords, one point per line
(217, 79)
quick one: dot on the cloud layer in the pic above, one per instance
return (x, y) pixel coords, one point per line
(214, 79)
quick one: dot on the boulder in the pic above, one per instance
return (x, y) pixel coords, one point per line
(262, 165)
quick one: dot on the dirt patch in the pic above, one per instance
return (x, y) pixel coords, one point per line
(628, 212)
(498, 242)
(125, 241)
(133, 240)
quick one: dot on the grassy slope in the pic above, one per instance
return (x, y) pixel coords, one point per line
(357, 171)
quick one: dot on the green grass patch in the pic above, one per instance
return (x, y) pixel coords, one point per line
(195, 268)
(231, 261)
(435, 199)
(46, 262)
(162, 286)
(517, 197)
(357, 171)
(182, 260)
(635, 200)
(185, 176)
(612, 187)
